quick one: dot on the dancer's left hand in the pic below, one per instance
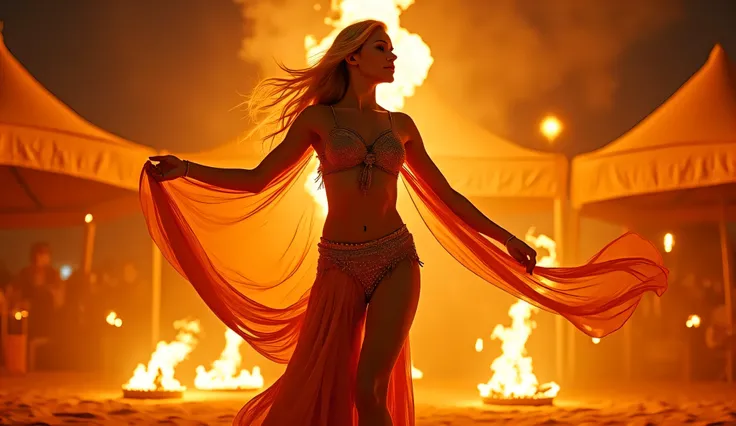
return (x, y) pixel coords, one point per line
(523, 254)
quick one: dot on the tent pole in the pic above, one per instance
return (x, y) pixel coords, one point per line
(627, 346)
(558, 219)
(571, 258)
(156, 294)
(89, 245)
(726, 260)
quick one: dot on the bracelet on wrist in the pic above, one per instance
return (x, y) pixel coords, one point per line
(509, 240)
(186, 168)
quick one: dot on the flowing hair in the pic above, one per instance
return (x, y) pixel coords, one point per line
(277, 101)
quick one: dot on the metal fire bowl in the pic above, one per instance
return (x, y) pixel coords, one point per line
(156, 394)
(535, 402)
(230, 390)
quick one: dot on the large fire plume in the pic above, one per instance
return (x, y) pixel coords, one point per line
(225, 373)
(513, 374)
(413, 61)
(158, 375)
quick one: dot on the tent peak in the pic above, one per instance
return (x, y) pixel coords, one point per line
(717, 53)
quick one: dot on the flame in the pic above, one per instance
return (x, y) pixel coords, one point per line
(318, 193)
(669, 242)
(414, 56)
(693, 321)
(113, 319)
(595, 340)
(412, 65)
(513, 375)
(159, 374)
(416, 373)
(224, 370)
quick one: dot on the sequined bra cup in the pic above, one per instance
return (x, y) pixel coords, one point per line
(346, 149)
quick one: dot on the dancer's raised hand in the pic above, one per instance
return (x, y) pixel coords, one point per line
(169, 167)
(523, 254)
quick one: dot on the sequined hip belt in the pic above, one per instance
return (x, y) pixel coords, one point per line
(368, 262)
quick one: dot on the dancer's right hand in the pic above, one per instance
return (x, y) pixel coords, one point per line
(169, 167)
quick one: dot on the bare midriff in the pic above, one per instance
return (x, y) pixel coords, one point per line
(355, 216)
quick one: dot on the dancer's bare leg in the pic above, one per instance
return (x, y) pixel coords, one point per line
(390, 314)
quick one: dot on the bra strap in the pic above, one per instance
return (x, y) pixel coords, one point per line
(334, 115)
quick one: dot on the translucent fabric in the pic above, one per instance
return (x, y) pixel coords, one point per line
(253, 259)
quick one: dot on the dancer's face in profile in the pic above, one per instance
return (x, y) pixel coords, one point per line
(375, 60)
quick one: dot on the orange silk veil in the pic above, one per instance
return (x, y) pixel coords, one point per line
(252, 257)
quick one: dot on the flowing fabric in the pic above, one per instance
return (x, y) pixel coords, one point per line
(252, 258)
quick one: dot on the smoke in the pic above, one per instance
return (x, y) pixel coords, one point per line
(490, 56)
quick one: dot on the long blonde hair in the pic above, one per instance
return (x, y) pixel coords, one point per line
(277, 101)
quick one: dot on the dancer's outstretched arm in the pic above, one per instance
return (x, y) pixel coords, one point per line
(418, 159)
(298, 139)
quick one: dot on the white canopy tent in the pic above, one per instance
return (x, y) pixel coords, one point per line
(57, 169)
(677, 165)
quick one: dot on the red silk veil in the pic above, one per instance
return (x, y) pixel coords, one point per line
(251, 257)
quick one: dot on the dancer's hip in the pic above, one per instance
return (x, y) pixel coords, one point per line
(368, 262)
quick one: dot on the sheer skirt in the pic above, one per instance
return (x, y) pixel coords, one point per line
(318, 386)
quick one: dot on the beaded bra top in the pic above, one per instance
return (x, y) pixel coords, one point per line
(346, 149)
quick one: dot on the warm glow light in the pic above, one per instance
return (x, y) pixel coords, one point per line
(65, 272)
(513, 375)
(550, 127)
(412, 65)
(19, 315)
(669, 242)
(479, 345)
(596, 340)
(416, 373)
(693, 321)
(316, 191)
(88, 218)
(225, 372)
(159, 374)
(114, 320)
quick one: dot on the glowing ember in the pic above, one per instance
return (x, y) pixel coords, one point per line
(19, 315)
(416, 373)
(412, 65)
(693, 321)
(114, 320)
(513, 375)
(159, 374)
(225, 373)
(479, 345)
(669, 242)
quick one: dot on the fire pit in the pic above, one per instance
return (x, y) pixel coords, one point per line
(518, 401)
(156, 380)
(225, 374)
(545, 395)
(514, 381)
(157, 390)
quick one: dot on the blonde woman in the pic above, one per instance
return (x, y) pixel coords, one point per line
(344, 336)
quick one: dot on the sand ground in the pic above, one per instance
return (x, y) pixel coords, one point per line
(67, 398)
